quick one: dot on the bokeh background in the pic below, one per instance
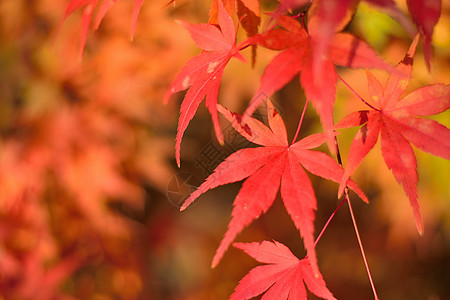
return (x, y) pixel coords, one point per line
(89, 189)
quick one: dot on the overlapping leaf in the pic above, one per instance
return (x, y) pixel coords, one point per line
(276, 163)
(283, 277)
(425, 14)
(317, 71)
(248, 13)
(202, 74)
(399, 124)
(214, 9)
(289, 5)
(89, 7)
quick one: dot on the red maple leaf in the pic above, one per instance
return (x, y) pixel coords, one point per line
(289, 5)
(89, 7)
(313, 56)
(214, 9)
(268, 166)
(248, 13)
(397, 121)
(202, 74)
(284, 276)
(425, 14)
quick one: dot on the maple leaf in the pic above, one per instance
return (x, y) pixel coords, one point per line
(298, 56)
(276, 163)
(214, 9)
(425, 13)
(283, 277)
(289, 5)
(325, 19)
(248, 13)
(89, 7)
(397, 121)
(391, 9)
(202, 74)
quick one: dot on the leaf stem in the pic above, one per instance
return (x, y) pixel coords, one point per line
(303, 15)
(328, 222)
(356, 93)
(360, 244)
(300, 122)
(355, 226)
(245, 46)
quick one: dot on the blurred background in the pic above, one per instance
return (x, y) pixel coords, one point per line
(89, 188)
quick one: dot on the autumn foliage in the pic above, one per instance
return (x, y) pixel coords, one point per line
(104, 137)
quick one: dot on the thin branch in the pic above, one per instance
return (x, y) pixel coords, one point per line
(328, 222)
(300, 122)
(355, 226)
(360, 244)
(356, 93)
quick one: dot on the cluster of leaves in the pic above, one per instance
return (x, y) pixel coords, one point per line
(74, 159)
(89, 6)
(312, 50)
